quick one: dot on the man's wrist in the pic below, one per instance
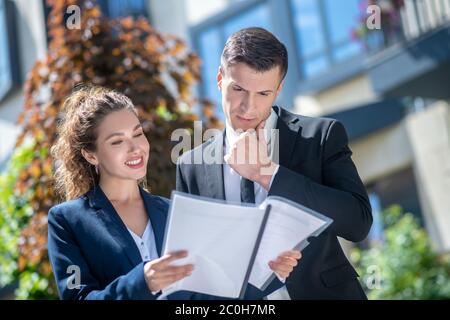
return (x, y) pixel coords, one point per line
(266, 175)
(277, 166)
(282, 280)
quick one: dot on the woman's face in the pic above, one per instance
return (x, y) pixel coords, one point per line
(122, 148)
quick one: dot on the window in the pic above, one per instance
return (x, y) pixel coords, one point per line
(6, 71)
(342, 17)
(210, 48)
(310, 36)
(110, 8)
(323, 31)
(257, 16)
(210, 40)
(376, 231)
(122, 8)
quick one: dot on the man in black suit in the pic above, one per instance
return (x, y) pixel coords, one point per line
(313, 166)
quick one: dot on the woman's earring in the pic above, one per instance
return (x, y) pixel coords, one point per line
(96, 169)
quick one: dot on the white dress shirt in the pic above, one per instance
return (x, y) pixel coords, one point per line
(232, 182)
(146, 245)
(231, 179)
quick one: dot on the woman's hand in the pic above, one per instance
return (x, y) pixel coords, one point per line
(159, 274)
(285, 263)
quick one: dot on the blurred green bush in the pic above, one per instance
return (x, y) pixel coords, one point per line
(404, 265)
(15, 214)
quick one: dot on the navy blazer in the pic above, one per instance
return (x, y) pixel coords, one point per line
(88, 235)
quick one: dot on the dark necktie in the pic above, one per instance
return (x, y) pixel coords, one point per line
(247, 191)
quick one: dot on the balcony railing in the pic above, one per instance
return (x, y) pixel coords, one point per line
(404, 20)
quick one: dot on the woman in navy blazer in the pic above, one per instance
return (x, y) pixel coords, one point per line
(105, 241)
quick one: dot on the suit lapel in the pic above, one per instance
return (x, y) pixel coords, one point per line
(289, 129)
(157, 215)
(214, 171)
(114, 224)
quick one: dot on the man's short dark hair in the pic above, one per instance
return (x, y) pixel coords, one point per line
(257, 48)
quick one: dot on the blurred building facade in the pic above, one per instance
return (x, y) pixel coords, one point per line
(390, 88)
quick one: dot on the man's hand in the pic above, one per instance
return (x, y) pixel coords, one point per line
(159, 274)
(249, 157)
(285, 263)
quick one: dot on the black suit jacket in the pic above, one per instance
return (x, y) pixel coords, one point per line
(316, 171)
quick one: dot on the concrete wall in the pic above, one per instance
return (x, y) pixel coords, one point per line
(382, 153)
(169, 17)
(354, 91)
(429, 133)
(198, 10)
(176, 16)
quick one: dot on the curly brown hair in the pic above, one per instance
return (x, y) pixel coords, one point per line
(83, 111)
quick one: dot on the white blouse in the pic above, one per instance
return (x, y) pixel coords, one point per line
(146, 245)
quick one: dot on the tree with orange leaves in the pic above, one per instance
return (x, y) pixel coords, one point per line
(156, 71)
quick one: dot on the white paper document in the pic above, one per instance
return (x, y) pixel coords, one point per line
(288, 227)
(231, 244)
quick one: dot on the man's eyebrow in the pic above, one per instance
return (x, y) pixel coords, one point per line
(121, 133)
(264, 91)
(235, 84)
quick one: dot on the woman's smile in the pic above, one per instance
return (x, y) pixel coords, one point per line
(135, 163)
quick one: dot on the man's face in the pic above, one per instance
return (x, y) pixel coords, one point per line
(248, 95)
